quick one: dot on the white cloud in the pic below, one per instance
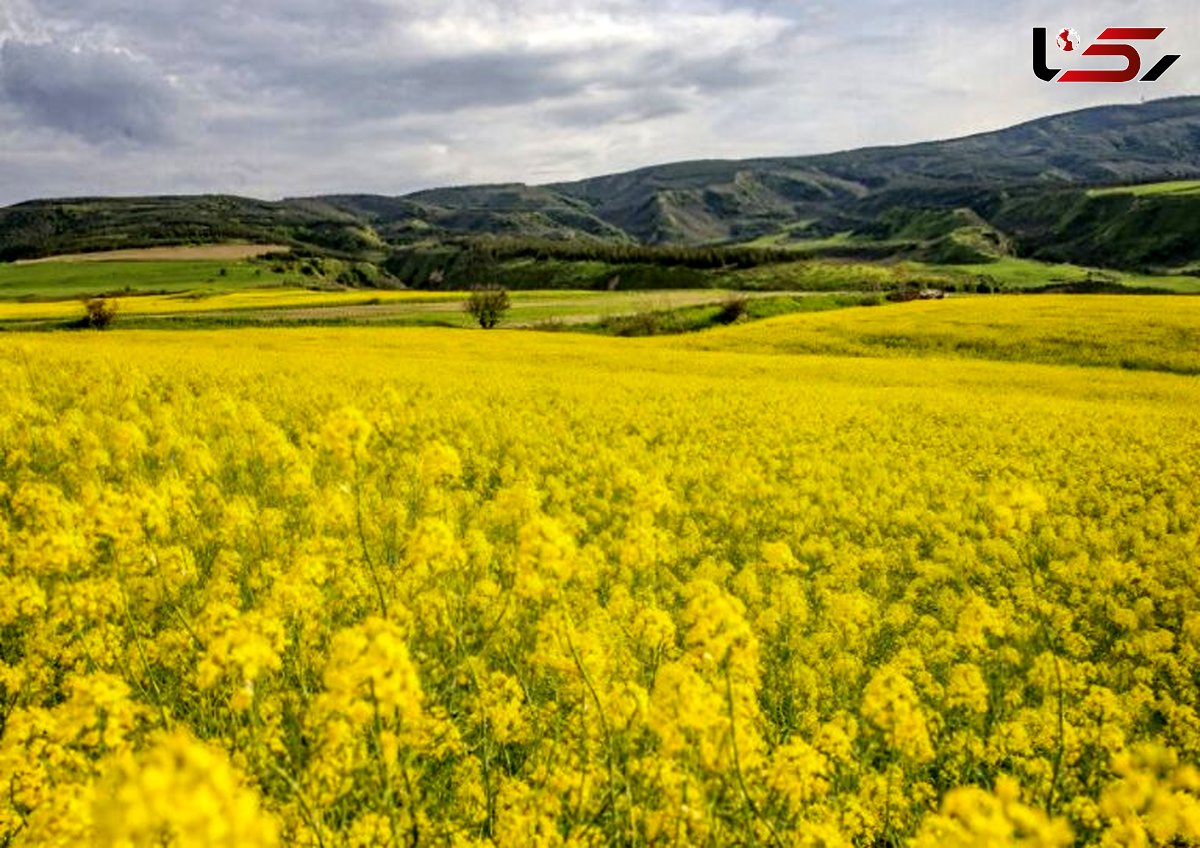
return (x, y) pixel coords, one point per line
(287, 97)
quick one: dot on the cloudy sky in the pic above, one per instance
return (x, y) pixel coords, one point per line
(276, 98)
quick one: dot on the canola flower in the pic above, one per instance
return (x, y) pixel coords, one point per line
(1117, 331)
(190, 303)
(377, 587)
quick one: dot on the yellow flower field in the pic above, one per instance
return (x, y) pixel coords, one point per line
(367, 586)
(1120, 331)
(190, 304)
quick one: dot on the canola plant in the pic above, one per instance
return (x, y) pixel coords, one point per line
(416, 587)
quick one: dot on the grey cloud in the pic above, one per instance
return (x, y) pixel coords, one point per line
(367, 59)
(306, 96)
(727, 72)
(378, 88)
(99, 96)
(625, 108)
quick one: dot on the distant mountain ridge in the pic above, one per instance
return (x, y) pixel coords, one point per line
(717, 200)
(1006, 179)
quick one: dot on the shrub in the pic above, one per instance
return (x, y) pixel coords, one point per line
(638, 324)
(101, 312)
(486, 304)
(655, 322)
(733, 309)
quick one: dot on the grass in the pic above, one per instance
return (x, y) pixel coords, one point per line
(57, 280)
(804, 274)
(1013, 273)
(792, 237)
(63, 280)
(1171, 187)
(690, 319)
(826, 275)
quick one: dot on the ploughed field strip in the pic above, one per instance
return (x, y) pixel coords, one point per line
(223, 252)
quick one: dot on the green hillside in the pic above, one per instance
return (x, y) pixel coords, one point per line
(1109, 187)
(1173, 187)
(1123, 227)
(53, 227)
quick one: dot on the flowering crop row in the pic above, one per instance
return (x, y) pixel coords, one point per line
(366, 586)
(1120, 331)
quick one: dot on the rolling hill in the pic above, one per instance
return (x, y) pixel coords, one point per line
(1026, 190)
(714, 201)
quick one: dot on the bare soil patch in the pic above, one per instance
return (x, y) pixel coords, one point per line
(216, 252)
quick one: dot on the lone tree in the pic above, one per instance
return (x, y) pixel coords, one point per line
(101, 312)
(486, 304)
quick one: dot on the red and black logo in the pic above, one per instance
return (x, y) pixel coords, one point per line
(1112, 42)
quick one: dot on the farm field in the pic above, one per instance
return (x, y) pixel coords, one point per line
(1171, 187)
(1120, 331)
(217, 252)
(374, 585)
(1011, 273)
(194, 303)
(59, 279)
(276, 306)
(197, 274)
(1015, 274)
